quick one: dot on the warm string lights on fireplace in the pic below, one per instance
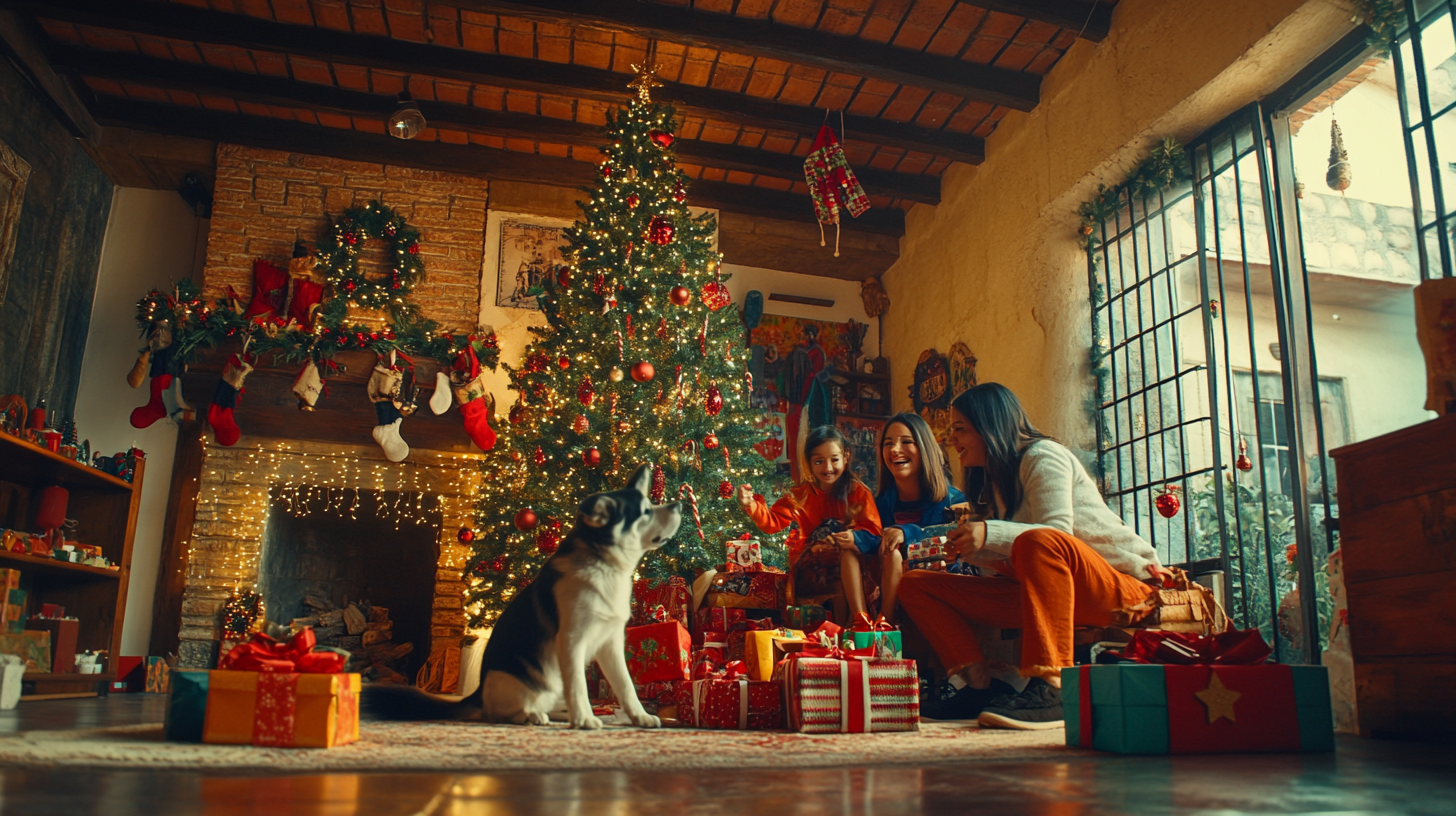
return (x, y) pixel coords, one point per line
(241, 492)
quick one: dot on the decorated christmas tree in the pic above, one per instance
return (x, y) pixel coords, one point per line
(643, 360)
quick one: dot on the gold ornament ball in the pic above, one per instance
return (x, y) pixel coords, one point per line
(615, 375)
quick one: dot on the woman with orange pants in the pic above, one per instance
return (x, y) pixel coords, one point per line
(1061, 559)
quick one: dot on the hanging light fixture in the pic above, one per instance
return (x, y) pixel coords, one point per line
(406, 122)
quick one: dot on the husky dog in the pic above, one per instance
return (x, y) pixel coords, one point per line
(534, 667)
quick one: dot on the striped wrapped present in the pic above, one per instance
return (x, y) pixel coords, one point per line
(828, 695)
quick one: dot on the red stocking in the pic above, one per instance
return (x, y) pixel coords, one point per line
(225, 430)
(475, 404)
(159, 344)
(270, 287)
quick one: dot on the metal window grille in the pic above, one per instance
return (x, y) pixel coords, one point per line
(1428, 121)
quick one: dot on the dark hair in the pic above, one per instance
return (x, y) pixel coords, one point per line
(934, 469)
(818, 436)
(996, 414)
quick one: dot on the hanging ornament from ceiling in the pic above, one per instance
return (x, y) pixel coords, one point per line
(1168, 502)
(1340, 174)
(832, 184)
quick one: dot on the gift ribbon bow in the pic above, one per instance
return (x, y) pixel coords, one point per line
(1235, 647)
(264, 654)
(829, 648)
(862, 623)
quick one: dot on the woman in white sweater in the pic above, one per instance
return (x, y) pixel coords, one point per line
(1060, 558)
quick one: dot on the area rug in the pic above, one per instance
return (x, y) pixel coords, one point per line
(476, 747)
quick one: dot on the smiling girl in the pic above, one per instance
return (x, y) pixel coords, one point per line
(830, 506)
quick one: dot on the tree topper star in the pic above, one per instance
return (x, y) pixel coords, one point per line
(646, 80)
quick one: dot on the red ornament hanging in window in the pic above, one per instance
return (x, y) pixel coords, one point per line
(1168, 502)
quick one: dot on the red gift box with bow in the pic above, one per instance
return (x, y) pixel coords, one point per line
(281, 694)
(672, 595)
(658, 652)
(726, 698)
(830, 690)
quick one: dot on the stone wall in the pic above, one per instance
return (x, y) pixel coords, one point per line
(266, 199)
(232, 505)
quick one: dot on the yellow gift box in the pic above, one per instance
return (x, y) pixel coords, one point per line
(763, 649)
(281, 709)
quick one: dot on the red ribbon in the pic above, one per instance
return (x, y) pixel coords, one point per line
(1235, 647)
(862, 623)
(264, 654)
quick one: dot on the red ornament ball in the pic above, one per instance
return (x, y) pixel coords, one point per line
(549, 539)
(563, 277)
(350, 286)
(633, 201)
(1243, 463)
(1167, 502)
(660, 230)
(413, 249)
(643, 371)
(539, 457)
(580, 425)
(678, 193)
(606, 170)
(563, 362)
(591, 457)
(710, 441)
(585, 393)
(526, 519)
(715, 296)
(466, 535)
(713, 403)
(390, 229)
(499, 564)
(350, 238)
(725, 489)
(681, 295)
(661, 138)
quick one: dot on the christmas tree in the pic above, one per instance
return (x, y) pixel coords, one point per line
(643, 360)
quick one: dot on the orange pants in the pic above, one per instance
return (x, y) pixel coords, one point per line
(1055, 583)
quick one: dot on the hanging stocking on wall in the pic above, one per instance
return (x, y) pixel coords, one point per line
(473, 398)
(384, 385)
(176, 404)
(270, 291)
(225, 430)
(158, 357)
(441, 399)
(308, 288)
(832, 184)
(307, 386)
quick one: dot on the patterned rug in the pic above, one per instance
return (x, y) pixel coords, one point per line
(476, 747)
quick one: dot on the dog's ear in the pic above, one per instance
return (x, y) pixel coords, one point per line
(642, 479)
(596, 511)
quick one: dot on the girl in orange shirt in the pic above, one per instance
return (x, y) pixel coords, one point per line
(827, 507)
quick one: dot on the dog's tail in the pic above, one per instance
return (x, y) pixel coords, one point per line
(396, 702)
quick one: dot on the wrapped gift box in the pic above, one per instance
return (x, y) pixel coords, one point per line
(743, 555)
(64, 634)
(12, 602)
(1157, 709)
(880, 636)
(762, 650)
(672, 595)
(659, 652)
(805, 617)
(186, 706)
(929, 554)
(159, 676)
(737, 704)
(31, 646)
(749, 590)
(657, 696)
(281, 709)
(827, 695)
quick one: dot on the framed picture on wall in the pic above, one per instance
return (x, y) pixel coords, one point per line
(786, 352)
(528, 253)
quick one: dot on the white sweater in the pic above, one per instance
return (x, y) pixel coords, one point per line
(1058, 493)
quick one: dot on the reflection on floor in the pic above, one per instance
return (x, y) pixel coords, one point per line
(1363, 776)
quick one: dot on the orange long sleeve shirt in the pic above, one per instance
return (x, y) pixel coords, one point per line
(808, 507)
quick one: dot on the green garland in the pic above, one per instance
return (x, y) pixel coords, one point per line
(339, 262)
(1165, 167)
(1384, 19)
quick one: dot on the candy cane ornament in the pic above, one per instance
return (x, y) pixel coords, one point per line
(693, 502)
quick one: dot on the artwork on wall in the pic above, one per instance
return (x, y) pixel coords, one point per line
(529, 254)
(863, 438)
(788, 351)
(962, 369)
(774, 446)
(931, 392)
(14, 173)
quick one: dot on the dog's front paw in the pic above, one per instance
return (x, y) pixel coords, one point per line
(590, 722)
(538, 718)
(645, 720)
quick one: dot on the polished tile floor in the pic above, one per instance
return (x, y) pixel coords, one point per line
(1363, 776)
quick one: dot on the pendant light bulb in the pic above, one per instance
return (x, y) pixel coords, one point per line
(406, 122)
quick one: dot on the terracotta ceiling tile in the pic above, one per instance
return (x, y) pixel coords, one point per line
(155, 48)
(844, 17)
(186, 52)
(983, 49)
(729, 77)
(764, 85)
(254, 8)
(1000, 25)
(797, 13)
(594, 55)
(905, 105)
(884, 20)
(422, 87)
(522, 102)
(488, 97)
(591, 113)
(219, 56)
(558, 107)
(254, 109)
(628, 50)
(101, 85)
(309, 70)
(406, 20)
(858, 153)
(754, 9)
(937, 110)
(715, 6)
(586, 154)
(739, 177)
(989, 123)
(1043, 61)
(806, 143)
(452, 92)
(520, 145)
(970, 115)
(428, 134)
(304, 116)
(922, 22)
(937, 166)
(913, 163)
(108, 40)
(885, 158)
(386, 82)
(193, 3)
(486, 140)
(882, 203)
(443, 30)
(1017, 56)
(560, 151)
(691, 171)
(956, 31)
(476, 34)
(368, 17)
(690, 129)
(296, 12)
(61, 32)
(553, 47)
(458, 137)
(1036, 32)
(367, 125)
(779, 143)
(800, 90)
(334, 120)
(720, 134)
(351, 76)
(750, 138)
(772, 183)
(872, 97)
(800, 188)
(1064, 40)
(517, 37)
(596, 35)
(670, 58)
(331, 14)
(698, 68)
(271, 64)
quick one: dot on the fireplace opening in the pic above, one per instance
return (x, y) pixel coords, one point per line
(348, 563)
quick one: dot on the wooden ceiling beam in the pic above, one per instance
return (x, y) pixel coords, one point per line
(271, 90)
(23, 46)
(1092, 19)
(176, 21)
(474, 160)
(791, 44)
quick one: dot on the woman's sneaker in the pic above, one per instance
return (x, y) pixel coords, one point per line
(965, 704)
(1038, 706)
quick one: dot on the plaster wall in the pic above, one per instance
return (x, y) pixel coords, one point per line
(152, 239)
(997, 264)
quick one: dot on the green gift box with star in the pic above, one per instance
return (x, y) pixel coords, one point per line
(1161, 709)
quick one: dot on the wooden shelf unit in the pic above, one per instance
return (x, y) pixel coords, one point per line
(105, 508)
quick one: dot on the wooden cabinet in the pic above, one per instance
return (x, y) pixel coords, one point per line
(105, 509)
(1397, 496)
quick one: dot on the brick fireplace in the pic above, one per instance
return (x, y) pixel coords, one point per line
(237, 487)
